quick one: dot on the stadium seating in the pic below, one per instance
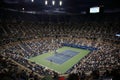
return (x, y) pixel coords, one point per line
(22, 39)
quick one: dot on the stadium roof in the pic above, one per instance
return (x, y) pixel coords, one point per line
(73, 6)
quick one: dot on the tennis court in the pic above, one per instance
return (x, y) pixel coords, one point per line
(62, 61)
(60, 58)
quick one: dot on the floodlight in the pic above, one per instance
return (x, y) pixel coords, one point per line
(53, 2)
(23, 9)
(60, 3)
(46, 2)
(32, 0)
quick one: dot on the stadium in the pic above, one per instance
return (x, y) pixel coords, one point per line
(59, 40)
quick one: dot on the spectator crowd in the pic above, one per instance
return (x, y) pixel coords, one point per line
(22, 40)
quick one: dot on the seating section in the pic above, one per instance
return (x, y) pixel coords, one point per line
(21, 40)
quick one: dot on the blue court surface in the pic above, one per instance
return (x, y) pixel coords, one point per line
(60, 58)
